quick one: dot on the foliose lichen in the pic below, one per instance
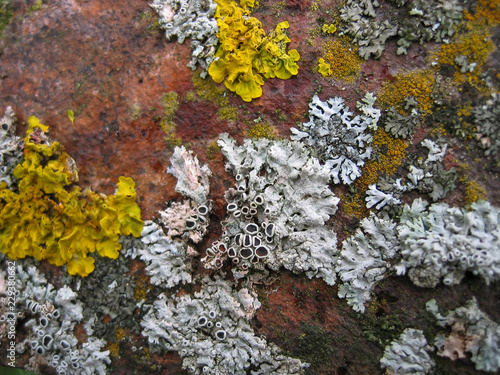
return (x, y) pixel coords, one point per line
(277, 211)
(167, 261)
(191, 19)
(419, 21)
(338, 140)
(443, 242)
(403, 125)
(47, 220)
(211, 332)
(472, 331)
(409, 354)
(247, 56)
(50, 317)
(487, 120)
(10, 148)
(366, 259)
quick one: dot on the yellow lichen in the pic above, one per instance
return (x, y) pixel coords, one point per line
(142, 288)
(473, 191)
(329, 28)
(213, 149)
(324, 68)
(53, 220)
(342, 58)
(475, 46)
(418, 84)
(246, 56)
(486, 12)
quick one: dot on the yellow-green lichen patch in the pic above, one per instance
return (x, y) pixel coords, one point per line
(341, 60)
(262, 130)
(207, 90)
(418, 84)
(247, 56)
(52, 219)
(473, 190)
(170, 104)
(213, 149)
(5, 14)
(389, 153)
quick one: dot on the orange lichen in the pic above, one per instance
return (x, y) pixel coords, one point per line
(418, 84)
(142, 288)
(485, 12)
(475, 46)
(342, 57)
(389, 154)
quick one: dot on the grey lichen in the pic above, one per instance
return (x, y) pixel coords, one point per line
(418, 21)
(442, 242)
(211, 332)
(487, 120)
(167, 261)
(10, 147)
(409, 354)
(338, 139)
(366, 259)
(472, 331)
(428, 20)
(190, 219)
(277, 211)
(192, 19)
(109, 290)
(403, 126)
(50, 316)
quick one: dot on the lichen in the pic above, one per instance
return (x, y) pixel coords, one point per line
(262, 130)
(442, 242)
(10, 148)
(340, 141)
(211, 332)
(51, 219)
(246, 56)
(409, 354)
(418, 84)
(192, 19)
(170, 104)
(389, 153)
(282, 193)
(472, 331)
(342, 60)
(366, 259)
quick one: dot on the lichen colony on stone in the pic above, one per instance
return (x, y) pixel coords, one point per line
(338, 139)
(277, 212)
(211, 332)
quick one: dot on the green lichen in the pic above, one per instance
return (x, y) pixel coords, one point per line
(262, 130)
(50, 218)
(213, 149)
(313, 345)
(207, 90)
(170, 104)
(5, 14)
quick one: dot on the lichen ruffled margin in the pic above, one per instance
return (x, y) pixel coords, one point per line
(50, 219)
